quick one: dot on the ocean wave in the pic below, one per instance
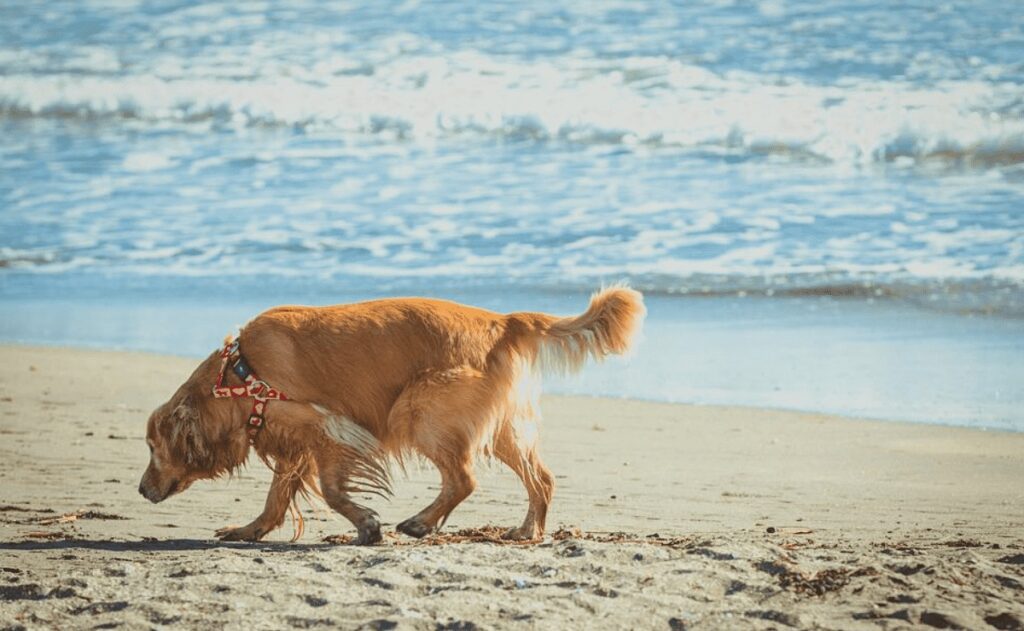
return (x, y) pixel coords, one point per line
(653, 102)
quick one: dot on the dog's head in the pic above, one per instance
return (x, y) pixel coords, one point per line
(191, 437)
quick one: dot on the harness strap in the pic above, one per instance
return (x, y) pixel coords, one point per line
(252, 387)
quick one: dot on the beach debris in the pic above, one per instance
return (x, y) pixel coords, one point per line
(817, 584)
(1013, 559)
(67, 518)
(116, 437)
(22, 509)
(495, 535)
(771, 530)
(39, 534)
(964, 543)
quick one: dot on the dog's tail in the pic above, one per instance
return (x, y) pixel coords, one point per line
(562, 345)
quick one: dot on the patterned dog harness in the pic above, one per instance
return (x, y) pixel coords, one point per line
(254, 387)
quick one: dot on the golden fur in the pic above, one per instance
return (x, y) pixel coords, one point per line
(382, 380)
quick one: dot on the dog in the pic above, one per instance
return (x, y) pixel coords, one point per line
(345, 390)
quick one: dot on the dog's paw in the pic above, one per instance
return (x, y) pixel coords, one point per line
(520, 534)
(368, 536)
(414, 528)
(245, 533)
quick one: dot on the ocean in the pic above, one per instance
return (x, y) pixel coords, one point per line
(822, 201)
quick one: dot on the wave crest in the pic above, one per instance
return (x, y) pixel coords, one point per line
(634, 101)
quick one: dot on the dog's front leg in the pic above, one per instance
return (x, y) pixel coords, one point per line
(286, 483)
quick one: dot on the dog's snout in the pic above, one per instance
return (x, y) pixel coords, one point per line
(147, 492)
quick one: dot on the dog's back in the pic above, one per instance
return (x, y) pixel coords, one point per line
(358, 358)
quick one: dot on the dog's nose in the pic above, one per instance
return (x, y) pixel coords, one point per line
(142, 490)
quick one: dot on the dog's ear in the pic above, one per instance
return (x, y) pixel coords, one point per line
(189, 431)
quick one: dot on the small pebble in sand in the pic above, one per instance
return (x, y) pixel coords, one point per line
(770, 530)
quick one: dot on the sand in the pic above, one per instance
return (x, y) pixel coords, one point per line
(665, 517)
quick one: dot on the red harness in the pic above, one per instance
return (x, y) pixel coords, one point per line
(254, 387)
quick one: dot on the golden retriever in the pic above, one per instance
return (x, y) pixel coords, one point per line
(375, 381)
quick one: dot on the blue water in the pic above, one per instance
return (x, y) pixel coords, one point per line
(837, 185)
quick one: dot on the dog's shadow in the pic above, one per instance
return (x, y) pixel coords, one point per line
(162, 545)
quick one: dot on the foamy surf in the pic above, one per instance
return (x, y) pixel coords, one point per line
(570, 101)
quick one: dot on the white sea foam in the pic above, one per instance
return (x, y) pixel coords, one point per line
(146, 161)
(576, 100)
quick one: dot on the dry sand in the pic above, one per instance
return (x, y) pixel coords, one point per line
(729, 518)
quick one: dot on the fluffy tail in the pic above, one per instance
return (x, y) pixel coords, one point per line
(563, 345)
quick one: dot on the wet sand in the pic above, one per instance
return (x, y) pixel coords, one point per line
(665, 516)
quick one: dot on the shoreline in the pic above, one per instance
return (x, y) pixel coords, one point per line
(706, 516)
(99, 348)
(841, 357)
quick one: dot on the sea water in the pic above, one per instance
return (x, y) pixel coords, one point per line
(823, 201)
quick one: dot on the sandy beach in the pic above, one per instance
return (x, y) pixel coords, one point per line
(665, 516)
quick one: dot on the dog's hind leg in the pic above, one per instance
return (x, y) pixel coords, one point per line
(537, 478)
(437, 417)
(288, 480)
(457, 483)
